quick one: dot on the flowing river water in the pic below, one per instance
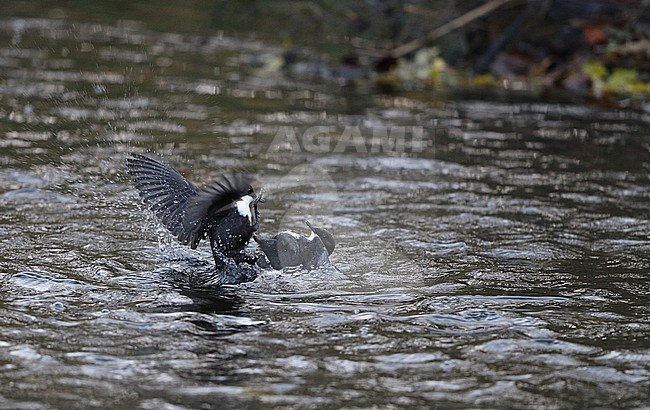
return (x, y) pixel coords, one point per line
(498, 258)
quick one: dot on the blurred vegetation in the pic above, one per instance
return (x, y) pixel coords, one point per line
(594, 49)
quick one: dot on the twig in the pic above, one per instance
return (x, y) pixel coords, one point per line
(456, 23)
(505, 38)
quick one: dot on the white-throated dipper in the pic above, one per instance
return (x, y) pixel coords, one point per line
(225, 211)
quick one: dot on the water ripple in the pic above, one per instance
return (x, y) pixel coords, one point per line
(504, 265)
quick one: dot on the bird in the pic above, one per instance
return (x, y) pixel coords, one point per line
(290, 249)
(225, 211)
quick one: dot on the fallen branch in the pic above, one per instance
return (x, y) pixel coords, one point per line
(456, 23)
(483, 63)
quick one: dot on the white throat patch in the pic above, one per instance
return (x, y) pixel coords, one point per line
(244, 207)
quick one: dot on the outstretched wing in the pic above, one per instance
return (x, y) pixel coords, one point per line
(210, 202)
(165, 191)
(184, 209)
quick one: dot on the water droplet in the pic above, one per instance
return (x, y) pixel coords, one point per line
(57, 307)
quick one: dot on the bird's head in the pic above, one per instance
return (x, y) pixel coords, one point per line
(246, 206)
(325, 236)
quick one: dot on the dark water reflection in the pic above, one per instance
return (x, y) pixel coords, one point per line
(504, 265)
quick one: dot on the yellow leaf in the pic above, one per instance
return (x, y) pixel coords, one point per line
(595, 70)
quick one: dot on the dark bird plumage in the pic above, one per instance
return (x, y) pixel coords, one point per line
(225, 211)
(325, 236)
(289, 249)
